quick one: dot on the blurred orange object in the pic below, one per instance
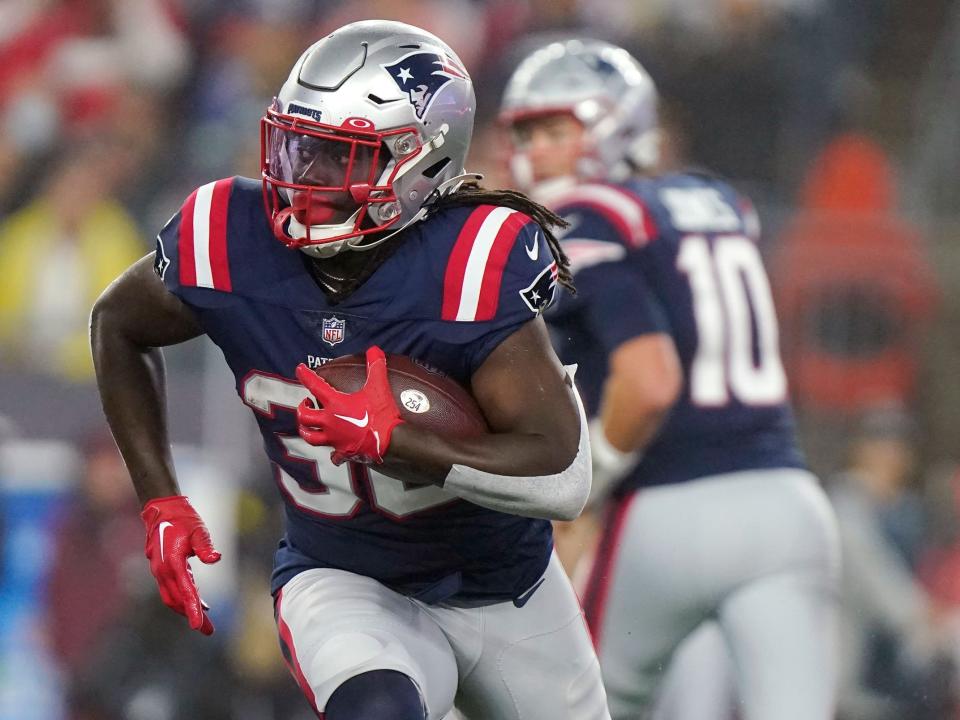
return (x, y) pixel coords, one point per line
(853, 284)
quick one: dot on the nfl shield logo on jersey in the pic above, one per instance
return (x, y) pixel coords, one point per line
(333, 330)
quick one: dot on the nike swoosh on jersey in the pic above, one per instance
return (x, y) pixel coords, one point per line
(534, 252)
(359, 422)
(163, 528)
(521, 600)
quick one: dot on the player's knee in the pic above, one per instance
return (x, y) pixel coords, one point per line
(377, 695)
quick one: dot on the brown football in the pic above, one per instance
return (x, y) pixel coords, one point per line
(426, 397)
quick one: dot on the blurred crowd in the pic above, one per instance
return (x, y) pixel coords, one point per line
(113, 111)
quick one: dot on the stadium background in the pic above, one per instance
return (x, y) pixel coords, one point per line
(840, 119)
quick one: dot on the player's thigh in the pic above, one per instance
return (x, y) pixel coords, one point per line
(643, 597)
(536, 662)
(782, 635)
(335, 625)
(781, 623)
(699, 683)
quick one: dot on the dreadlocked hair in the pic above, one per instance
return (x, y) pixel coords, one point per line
(471, 193)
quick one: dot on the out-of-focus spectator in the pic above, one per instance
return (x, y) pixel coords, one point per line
(247, 59)
(98, 545)
(10, 170)
(854, 285)
(265, 688)
(61, 72)
(147, 668)
(56, 255)
(461, 23)
(889, 623)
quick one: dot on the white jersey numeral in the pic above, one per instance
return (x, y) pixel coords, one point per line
(732, 305)
(332, 494)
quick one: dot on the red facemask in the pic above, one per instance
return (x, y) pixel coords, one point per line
(318, 174)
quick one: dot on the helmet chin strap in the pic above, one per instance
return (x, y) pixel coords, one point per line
(522, 170)
(644, 151)
(327, 250)
(445, 188)
(298, 231)
(545, 191)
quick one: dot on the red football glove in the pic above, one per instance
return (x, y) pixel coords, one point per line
(356, 425)
(175, 533)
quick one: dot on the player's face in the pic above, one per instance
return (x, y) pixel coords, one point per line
(330, 167)
(551, 143)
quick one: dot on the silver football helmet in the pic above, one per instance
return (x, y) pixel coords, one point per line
(603, 87)
(374, 120)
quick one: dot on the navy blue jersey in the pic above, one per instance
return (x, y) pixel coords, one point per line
(456, 286)
(678, 254)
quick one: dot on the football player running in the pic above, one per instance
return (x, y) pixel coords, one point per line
(415, 571)
(711, 513)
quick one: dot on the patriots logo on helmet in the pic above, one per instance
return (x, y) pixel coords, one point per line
(422, 74)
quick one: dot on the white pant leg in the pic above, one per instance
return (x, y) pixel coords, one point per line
(781, 631)
(641, 602)
(699, 684)
(683, 550)
(337, 625)
(534, 662)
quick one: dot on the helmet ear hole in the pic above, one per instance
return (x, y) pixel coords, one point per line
(435, 169)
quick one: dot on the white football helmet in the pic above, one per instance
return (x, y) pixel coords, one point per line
(602, 86)
(373, 120)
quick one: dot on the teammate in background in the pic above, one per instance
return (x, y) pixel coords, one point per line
(415, 570)
(711, 514)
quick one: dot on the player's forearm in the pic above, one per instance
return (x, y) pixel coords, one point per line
(513, 473)
(131, 382)
(630, 417)
(430, 456)
(643, 383)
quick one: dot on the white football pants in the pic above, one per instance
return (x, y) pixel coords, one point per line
(534, 662)
(758, 552)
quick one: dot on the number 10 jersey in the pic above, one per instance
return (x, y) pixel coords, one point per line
(678, 254)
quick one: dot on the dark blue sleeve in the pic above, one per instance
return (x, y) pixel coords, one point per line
(612, 290)
(528, 284)
(179, 274)
(619, 303)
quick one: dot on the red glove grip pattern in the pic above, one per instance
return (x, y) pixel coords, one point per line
(356, 425)
(174, 534)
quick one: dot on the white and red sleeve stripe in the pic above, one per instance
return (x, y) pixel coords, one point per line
(203, 237)
(621, 208)
(471, 285)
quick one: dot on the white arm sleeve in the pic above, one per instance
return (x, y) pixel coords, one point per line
(610, 465)
(554, 497)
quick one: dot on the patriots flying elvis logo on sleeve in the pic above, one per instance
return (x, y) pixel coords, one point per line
(422, 74)
(160, 260)
(540, 293)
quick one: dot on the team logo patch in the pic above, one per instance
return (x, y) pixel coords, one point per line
(421, 75)
(160, 260)
(312, 113)
(333, 331)
(414, 401)
(538, 294)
